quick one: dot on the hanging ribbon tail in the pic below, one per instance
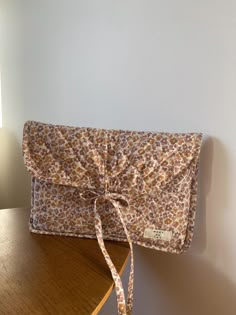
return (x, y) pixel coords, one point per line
(120, 295)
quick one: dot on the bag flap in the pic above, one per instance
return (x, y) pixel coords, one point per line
(90, 158)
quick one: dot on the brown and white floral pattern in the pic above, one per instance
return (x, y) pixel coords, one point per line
(113, 184)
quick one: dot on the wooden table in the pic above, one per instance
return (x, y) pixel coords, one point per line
(55, 275)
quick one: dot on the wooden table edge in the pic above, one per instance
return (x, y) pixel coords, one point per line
(109, 290)
(106, 296)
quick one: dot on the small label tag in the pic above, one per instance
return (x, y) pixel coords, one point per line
(156, 234)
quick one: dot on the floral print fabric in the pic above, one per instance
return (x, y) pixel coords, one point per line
(113, 184)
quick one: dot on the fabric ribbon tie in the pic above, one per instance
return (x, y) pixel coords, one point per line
(115, 199)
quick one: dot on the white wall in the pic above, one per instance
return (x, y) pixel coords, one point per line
(146, 65)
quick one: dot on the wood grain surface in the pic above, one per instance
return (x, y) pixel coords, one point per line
(55, 275)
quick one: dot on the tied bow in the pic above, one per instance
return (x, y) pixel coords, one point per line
(93, 195)
(116, 200)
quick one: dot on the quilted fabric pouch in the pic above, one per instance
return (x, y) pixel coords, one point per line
(133, 186)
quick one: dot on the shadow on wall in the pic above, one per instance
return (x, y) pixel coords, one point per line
(14, 180)
(184, 285)
(204, 185)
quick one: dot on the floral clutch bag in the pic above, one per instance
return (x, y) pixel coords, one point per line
(133, 186)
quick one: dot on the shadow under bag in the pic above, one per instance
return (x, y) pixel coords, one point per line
(133, 186)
